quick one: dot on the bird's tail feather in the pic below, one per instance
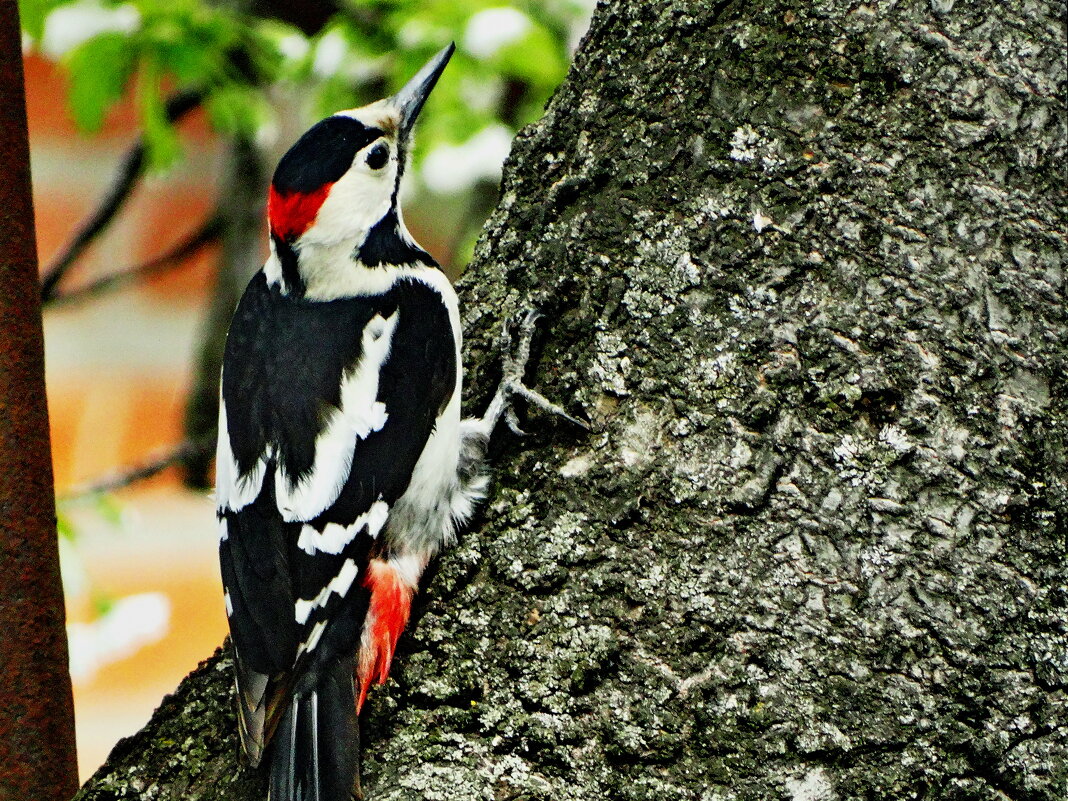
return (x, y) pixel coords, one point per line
(317, 743)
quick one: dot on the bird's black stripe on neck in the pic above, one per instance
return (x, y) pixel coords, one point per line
(402, 159)
(385, 245)
(287, 257)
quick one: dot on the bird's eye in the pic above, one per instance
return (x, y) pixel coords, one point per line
(378, 156)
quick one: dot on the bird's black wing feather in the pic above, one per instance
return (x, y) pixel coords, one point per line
(415, 385)
(285, 362)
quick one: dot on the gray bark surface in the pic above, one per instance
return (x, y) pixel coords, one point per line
(802, 266)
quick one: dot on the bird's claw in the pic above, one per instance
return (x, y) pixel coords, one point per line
(525, 392)
(512, 421)
(513, 367)
(515, 362)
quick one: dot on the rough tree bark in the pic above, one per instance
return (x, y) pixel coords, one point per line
(802, 266)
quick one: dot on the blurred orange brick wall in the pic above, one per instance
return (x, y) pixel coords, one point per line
(118, 370)
(71, 172)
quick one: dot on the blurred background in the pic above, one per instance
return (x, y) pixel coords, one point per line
(154, 127)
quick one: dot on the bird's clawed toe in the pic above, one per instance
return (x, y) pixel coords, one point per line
(513, 367)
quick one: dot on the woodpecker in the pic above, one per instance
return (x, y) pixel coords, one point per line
(343, 465)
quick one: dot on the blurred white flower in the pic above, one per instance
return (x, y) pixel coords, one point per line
(130, 624)
(329, 54)
(293, 46)
(416, 33)
(68, 26)
(481, 95)
(490, 30)
(451, 168)
(267, 134)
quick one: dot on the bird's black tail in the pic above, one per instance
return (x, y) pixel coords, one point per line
(317, 742)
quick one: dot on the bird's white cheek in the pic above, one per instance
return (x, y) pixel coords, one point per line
(354, 205)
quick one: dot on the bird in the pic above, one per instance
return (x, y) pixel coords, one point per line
(342, 464)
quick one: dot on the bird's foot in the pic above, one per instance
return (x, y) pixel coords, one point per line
(513, 368)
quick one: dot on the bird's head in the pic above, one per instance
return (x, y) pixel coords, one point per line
(339, 184)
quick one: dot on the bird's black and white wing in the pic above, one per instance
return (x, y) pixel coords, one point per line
(327, 409)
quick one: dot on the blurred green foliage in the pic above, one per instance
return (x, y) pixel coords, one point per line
(509, 59)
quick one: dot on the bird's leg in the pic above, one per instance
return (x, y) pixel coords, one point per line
(513, 367)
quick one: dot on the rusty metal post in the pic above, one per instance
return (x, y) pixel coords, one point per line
(37, 752)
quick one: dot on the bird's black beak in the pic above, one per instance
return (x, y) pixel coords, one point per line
(409, 100)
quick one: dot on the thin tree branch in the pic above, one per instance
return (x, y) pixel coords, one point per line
(130, 171)
(153, 466)
(208, 233)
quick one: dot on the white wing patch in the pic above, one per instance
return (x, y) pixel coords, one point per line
(313, 638)
(306, 498)
(341, 583)
(359, 415)
(423, 518)
(360, 388)
(334, 538)
(234, 491)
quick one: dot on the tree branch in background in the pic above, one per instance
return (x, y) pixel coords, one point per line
(130, 171)
(244, 187)
(155, 465)
(208, 233)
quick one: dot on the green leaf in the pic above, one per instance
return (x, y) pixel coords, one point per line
(191, 61)
(335, 94)
(278, 51)
(162, 147)
(33, 13)
(65, 527)
(193, 44)
(108, 508)
(238, 109)
(537, 57)
(99, 70)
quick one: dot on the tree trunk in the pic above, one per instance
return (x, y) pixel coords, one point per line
(802, 266)
(37, 752)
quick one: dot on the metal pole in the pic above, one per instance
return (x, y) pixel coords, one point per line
(37, 751)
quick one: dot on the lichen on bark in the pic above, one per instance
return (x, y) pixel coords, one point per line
(801, 265)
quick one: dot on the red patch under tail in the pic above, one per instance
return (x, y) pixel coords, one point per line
(391, 603)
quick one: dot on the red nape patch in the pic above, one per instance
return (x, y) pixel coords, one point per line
(391, 603)
(292, 213)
